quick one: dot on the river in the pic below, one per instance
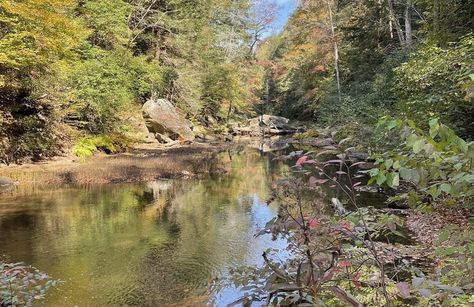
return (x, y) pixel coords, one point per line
(158, 243)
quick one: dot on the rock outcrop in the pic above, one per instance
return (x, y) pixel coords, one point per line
(163, 120)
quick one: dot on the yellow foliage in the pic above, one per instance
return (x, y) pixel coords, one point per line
(37, 32)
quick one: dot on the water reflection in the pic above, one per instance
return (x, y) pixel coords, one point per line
(153, 244)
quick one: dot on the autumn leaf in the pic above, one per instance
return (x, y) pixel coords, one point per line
(301, 160)
(404, 289)
(313, 223)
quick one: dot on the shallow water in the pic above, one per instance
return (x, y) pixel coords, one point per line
(160, 243)
(152, 244)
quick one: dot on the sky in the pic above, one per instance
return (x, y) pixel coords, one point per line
(286, 7)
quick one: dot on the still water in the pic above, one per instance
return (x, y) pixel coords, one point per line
(153, 244)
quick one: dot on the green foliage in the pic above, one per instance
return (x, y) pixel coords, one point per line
(108, 19)
(311, 133)
(435, 164)
(455, 247)
(434, 82)
(35, 33)
(22, 285)
(222, 90)
(105, 84)
(111, 143)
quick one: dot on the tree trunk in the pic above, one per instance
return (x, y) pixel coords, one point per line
(336, 51)
(395, 22)
(436, 13)
(408, 30)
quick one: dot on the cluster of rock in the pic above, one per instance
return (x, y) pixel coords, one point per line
(264, 125)
(165, 125)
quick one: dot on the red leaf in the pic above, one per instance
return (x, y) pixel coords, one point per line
(356, 281)
(345, 224)
(301, 161)
(313, 223)
(404, 289)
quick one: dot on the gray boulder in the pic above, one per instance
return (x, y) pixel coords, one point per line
(165, 122)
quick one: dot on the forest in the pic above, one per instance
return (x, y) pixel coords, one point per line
(376, 98)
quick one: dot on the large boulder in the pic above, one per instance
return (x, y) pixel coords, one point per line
(165, 122)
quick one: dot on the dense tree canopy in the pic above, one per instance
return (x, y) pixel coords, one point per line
(72, 68)
(75, 68)
(406, 58)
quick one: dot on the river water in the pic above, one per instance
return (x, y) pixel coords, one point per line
(159, 243)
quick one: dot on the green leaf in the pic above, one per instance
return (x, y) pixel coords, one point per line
(446, 188)
(388, 163)
(381, 179)
(393, 180)
(374, 172)
(410, 175)
(444, 236)
(434, 191)
(434, 127)
(428, 148)
(470, 247)
(391, 124)
(418, 145)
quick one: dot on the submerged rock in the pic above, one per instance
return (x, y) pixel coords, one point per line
(5, 181)
(5, 184)
(163, 120)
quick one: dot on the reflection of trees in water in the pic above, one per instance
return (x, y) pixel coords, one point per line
(164, 277)
(157, 244)
(206, 221)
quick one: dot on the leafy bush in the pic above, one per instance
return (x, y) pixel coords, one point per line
(22, 285)
(436, 82)
(433, 165)
(106, 84)
(330, 258)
